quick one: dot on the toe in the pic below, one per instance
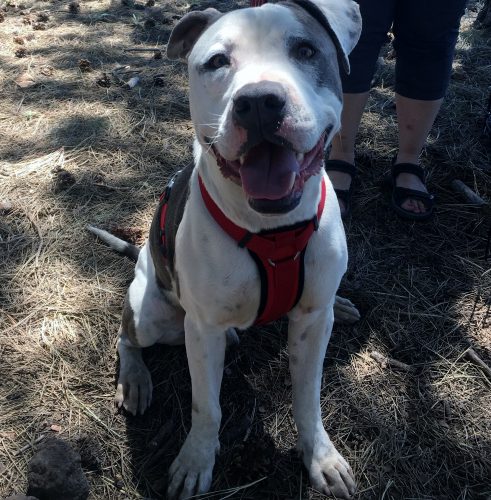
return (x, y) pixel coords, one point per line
(204, 483)
(119, 397)
(177, 474)
(347, 476)
(189, 487)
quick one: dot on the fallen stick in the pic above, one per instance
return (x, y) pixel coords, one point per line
(109, 187)
(27, 446)
(142, 50)
(385, 361)
(472, 356)
(40, 246)
(468, 193)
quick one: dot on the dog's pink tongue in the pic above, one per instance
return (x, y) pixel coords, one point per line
(269, 171)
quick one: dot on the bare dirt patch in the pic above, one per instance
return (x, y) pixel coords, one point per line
(73, 151)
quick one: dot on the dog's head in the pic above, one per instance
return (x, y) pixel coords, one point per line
(265, 90)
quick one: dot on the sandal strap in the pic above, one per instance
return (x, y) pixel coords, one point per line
(340, 166)
(408, 168)
(400, 194)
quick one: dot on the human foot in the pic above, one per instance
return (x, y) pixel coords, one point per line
(341, 174)
(410, 198)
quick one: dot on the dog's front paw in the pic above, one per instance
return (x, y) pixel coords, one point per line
(134, 391)
(191, 472)
(329, 472)
(345, 311)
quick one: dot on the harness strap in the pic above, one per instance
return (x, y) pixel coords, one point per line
(278, 254)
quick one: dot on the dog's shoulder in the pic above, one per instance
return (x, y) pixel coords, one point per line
(177, 196)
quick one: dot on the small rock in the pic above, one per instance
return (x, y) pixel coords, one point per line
(42, 17)
(19, 40)
(39, 26)
(25, 80)
(55, 473)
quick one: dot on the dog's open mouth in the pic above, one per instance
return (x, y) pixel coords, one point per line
(273, 175)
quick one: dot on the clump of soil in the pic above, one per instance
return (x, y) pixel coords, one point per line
(63, 179)
(84, 65)
(74, 8)
(55, 472)
(21, 52)
(104, 81)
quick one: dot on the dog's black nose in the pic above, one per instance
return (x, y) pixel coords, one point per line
(260, 106)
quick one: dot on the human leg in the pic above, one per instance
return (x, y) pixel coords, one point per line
(377, 19)
(425, 38)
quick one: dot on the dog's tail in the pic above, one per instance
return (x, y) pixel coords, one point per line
(117, 244)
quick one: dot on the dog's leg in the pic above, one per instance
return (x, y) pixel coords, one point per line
(308, 336)
(134, 390)
(191, 471)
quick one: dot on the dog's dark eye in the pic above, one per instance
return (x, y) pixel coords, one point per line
(305, 51)
(217, 61)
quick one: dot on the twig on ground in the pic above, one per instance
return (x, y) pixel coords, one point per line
(109, 187)
(468, 193)
(40, 246)
(472, 356)
(29, 445)
(142, 50)
(393, 363)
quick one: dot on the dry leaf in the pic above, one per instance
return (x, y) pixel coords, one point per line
(25, 80)
(56, 428)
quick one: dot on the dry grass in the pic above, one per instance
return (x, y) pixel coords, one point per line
(73, 152)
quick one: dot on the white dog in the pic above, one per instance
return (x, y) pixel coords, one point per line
(252, 230)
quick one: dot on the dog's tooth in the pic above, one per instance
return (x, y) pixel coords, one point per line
(300, 157)
(242, 159)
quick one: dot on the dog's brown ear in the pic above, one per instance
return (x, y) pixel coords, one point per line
(187, 31)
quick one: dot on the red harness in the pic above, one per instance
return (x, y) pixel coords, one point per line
(278, 253)
(279, 256)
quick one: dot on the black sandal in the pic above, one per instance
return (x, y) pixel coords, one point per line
(343, 194)
(401, 194)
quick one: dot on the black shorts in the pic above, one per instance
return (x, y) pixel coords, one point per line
(425, 34)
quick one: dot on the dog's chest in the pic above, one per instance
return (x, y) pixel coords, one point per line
(218, 280)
